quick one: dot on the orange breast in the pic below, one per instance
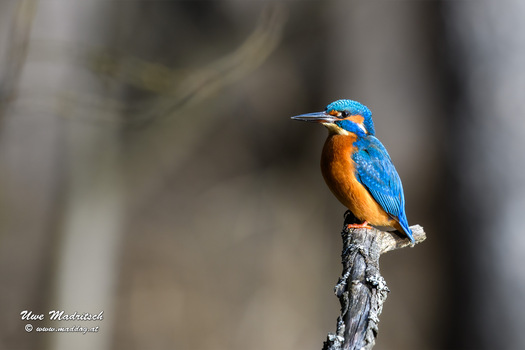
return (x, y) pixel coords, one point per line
(337, 167)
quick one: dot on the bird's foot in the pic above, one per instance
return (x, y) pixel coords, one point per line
(363, 225)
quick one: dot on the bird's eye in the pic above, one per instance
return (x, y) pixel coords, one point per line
(343, 114)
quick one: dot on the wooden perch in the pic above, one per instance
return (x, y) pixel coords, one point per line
(361, 288)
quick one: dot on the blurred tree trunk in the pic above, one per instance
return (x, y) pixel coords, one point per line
(62, 198)
(28, 183)
(486, 143)
(93, 201)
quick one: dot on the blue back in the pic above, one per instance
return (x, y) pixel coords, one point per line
(375, 171)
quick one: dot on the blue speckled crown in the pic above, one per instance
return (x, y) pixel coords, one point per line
(353, 108)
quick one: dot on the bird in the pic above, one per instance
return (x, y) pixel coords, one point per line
(358, 169)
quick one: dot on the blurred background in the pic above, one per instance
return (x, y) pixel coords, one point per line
(149, 169)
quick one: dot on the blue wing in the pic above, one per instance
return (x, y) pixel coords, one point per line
(375, 171)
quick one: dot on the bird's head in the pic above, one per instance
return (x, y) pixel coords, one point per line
(343, 117)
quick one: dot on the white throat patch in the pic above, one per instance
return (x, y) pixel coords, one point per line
(334, 129)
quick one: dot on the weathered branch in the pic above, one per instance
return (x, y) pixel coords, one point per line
(361, 288)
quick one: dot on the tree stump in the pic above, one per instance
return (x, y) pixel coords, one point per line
(361, 288)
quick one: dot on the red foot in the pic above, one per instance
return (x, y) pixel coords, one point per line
(363, 225)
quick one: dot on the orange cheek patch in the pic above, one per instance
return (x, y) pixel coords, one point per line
(356, 118)
(335, 113)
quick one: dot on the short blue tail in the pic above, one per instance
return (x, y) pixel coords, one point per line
(404, 224)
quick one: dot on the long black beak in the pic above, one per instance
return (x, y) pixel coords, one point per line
(317, 117)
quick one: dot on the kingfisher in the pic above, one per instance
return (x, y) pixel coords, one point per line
(357, 167)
